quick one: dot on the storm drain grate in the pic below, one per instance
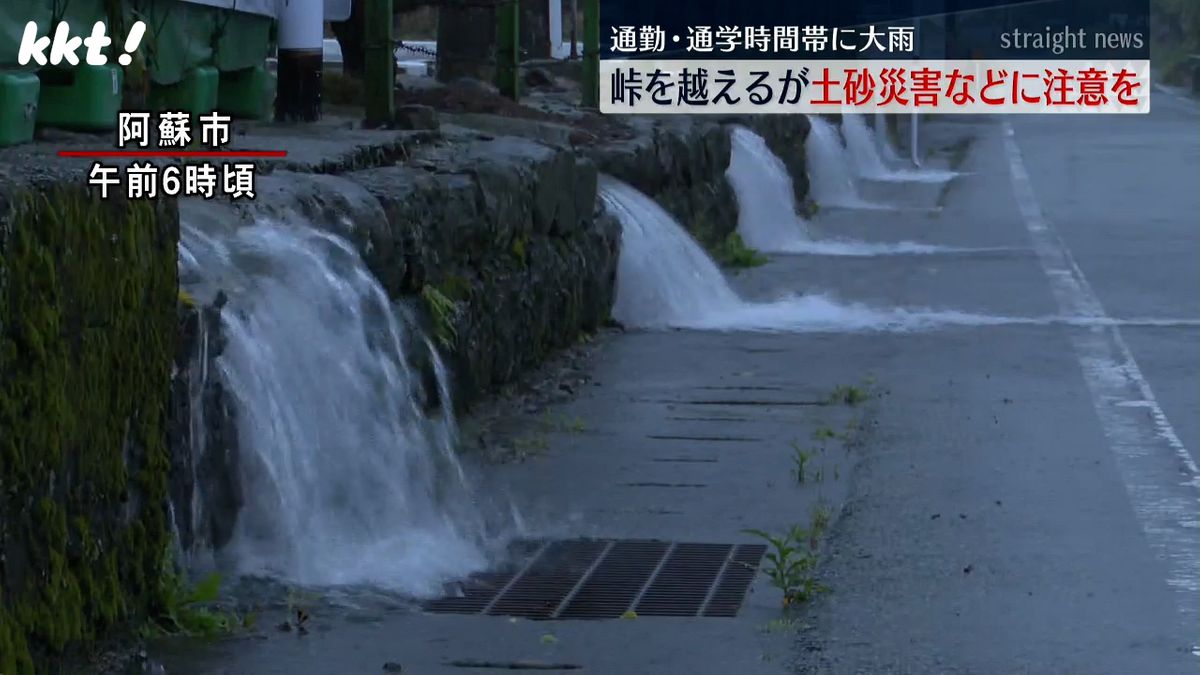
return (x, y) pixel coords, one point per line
(556, 570)
(606, 578)
(476, 593)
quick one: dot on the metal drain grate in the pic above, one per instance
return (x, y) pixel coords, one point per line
(605, 578)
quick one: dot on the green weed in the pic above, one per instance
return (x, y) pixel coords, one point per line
(733, 252)
(445, 313)
(848, 394)
(823, 433)
(800, 460)
(818, 524)
(191, 609)
(791, 564)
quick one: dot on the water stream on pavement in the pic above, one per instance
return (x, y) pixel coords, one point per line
(348, 477)
(767, 217)
(666, 280)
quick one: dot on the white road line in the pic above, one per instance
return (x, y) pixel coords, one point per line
(1160, 476)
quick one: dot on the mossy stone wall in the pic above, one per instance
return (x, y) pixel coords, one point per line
(88, 295)
(508, 233)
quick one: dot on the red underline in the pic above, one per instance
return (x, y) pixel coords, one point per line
(172, 153)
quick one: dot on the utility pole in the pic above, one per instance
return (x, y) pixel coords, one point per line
(574, 21)
(508, 49)
(591, 53)
(915, 138)
(379, 71)
(556, 26)
(301, 59)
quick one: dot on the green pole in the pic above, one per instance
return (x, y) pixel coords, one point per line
(591, 53)
(380, 63)
(508, 49)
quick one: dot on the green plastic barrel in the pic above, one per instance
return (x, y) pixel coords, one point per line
(247, 94)
(85, 97)
(196, 93)
(18, 107)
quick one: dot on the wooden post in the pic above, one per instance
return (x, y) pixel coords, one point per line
(591, 53)
(379, 76)
(508, 49)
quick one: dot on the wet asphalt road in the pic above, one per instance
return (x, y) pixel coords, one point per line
(1026, 506)
(1018, 503)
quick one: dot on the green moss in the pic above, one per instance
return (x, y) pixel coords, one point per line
(14, 651)
(87, 332)
(445, 313)
(809, 208)
(456, 288)
(519, 249)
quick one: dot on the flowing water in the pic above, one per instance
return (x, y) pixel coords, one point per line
(863, 145)
(831, 178)
(863, 148)
(666, 280)
(890, 155)
(347, 479)
(767, 218)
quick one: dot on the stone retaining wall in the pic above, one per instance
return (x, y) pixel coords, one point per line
(88, 294)
(506, 229)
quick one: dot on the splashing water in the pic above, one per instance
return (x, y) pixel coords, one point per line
(890, 155)
(663, 276)
(767, 218)
(831, 178)
(864, 148)
(864, 152)
(665, 280)
(347, 479)
(822, 313)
